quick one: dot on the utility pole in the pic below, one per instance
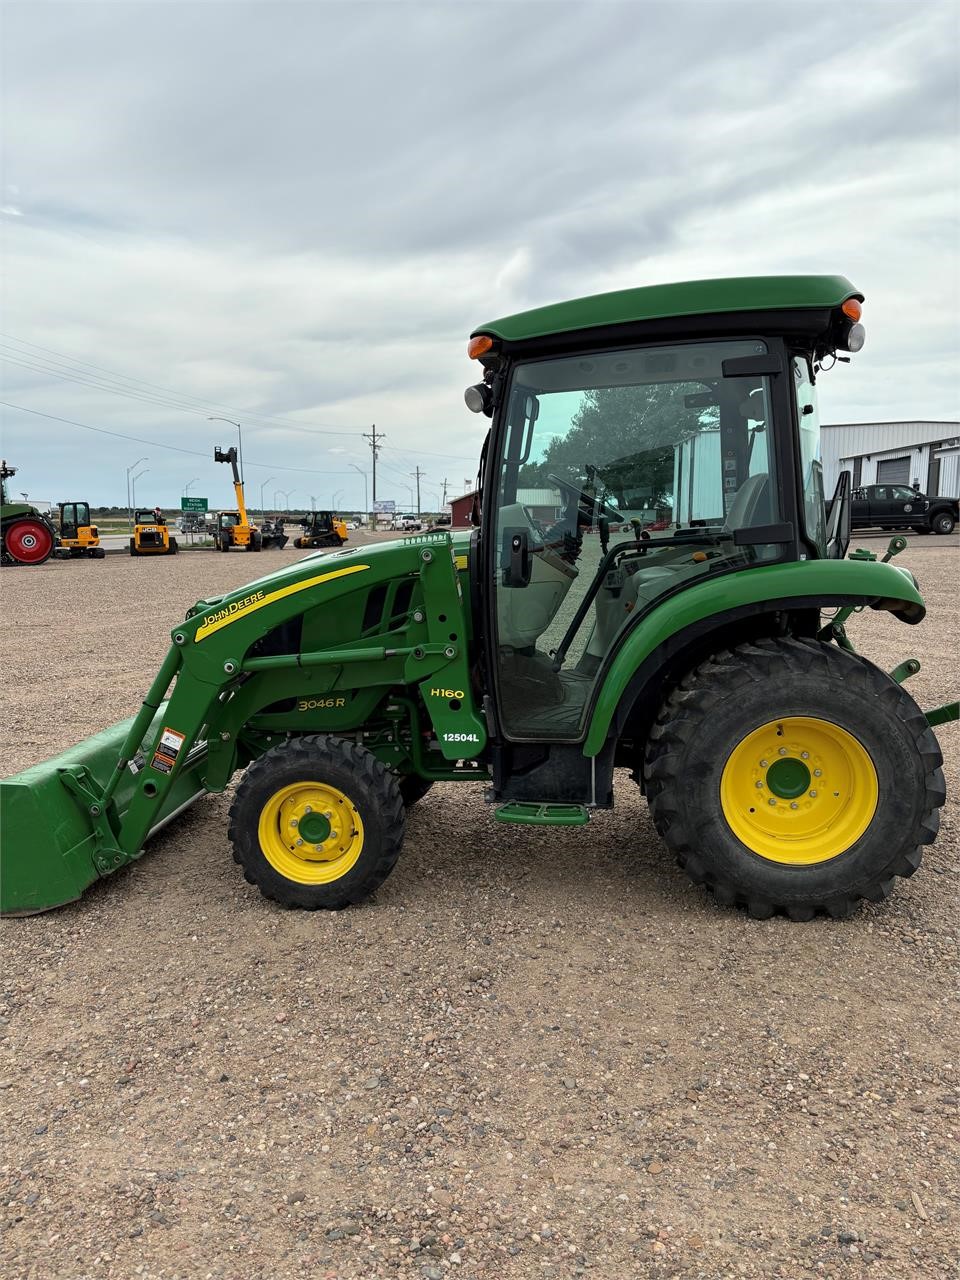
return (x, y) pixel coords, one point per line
(374, 437)
(444, 506)
(418, 473)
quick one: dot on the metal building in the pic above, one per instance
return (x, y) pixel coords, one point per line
(923, 453)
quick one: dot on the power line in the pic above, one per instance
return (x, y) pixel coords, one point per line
(167, 398)
(158, 444)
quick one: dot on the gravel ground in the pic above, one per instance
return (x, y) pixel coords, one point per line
(536, 1053)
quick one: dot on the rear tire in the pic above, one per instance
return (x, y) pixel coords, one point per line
(224, 542)
(943, 522)
(133, 546)
(787, 841)
(173, 547)
(338, 801)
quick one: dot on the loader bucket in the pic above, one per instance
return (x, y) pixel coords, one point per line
(51, 849)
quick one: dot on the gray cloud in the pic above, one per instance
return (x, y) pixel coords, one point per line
(301, 210)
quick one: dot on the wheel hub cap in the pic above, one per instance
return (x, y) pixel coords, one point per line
(788, 778)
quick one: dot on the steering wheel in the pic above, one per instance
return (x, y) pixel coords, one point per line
(587, 503)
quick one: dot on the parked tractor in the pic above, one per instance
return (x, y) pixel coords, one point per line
(321, 529)
(27, 535)
(709, 658)
(233, 528)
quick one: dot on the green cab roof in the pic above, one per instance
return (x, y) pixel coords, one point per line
(664, 301)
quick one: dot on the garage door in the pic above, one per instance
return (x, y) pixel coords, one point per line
(893, 471)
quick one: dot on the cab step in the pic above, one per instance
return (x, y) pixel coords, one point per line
(543, 815)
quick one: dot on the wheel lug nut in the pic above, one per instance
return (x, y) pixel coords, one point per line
(328, 814)
(782, 751)
(804, 755)
(817, 773)
(758, 785)
(308, 808)
(813, 793)
(294, 822)
(764, 763)
(794, 805)
(299, 842)
(771, 801)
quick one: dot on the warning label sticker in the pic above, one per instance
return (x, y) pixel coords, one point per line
(168, 748)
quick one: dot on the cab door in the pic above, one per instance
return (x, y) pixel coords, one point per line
(69, 519)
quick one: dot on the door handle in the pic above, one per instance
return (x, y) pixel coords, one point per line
(518, 569)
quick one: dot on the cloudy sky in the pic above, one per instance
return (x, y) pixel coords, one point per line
(293, 214)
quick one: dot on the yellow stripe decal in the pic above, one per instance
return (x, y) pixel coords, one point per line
(460, 561)
(257, 600)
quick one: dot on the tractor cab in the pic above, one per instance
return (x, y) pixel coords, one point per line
(706, 422)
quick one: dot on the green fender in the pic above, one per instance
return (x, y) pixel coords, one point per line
(827, 582)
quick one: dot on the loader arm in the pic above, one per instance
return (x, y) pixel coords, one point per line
(90, 811)
(230, 455)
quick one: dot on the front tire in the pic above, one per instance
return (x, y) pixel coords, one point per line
(790, 775)
(317, 822)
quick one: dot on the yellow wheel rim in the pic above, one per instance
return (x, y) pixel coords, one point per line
(799, 790)
(310, 833)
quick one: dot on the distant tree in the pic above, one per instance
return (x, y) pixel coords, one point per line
(628, 435)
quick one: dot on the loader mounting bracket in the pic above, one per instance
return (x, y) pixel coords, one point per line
(108, 855)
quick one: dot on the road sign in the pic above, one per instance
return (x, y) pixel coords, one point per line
(193, 504)
(385, 506)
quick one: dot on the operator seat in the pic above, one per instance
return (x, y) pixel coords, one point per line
(751, 506)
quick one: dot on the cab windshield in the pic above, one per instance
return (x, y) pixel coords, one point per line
(625, 476)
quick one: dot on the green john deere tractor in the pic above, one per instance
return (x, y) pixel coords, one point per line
(561, 639)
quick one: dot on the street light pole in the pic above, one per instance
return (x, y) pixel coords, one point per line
(263, 513)
(239, 440)
(129, 503)
(187, 487)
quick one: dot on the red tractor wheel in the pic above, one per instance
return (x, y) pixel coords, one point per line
(28, 541)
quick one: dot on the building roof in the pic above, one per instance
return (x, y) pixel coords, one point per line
(687, 298)
(913, 422)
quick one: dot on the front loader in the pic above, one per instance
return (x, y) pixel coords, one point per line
(553, 645)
